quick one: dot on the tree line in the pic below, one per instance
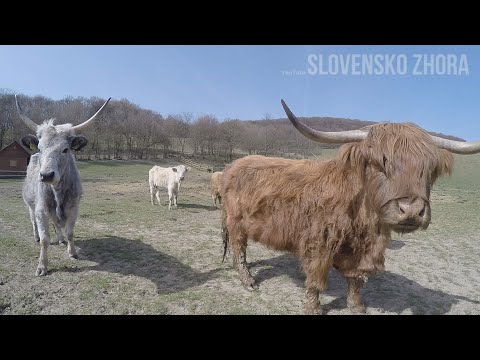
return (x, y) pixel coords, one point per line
(126, 131)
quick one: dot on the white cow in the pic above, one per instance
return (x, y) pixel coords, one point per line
(166, 177)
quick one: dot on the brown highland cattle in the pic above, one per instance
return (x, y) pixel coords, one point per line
(340, 212)
(215, 187)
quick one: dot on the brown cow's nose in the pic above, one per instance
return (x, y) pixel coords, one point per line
(47, 177)
(413, 210)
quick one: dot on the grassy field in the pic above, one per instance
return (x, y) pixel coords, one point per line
(135, 258)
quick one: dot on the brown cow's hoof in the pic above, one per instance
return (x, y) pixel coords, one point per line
(357, 309)
(73, 257)
(41, 272)
(251, 287)
(313, 311)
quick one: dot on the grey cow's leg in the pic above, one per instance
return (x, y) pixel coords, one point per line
(59, 233)
(157, 195)
(175, 199)
(42, 223)
(354, 300)
(72, 252)
(34, 224)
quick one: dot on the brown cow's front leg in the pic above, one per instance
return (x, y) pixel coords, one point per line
(316, 281)
(312, 301)
(354, 300)
(240, 263)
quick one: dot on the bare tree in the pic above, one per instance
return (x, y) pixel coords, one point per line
(182, 129)
(251, 140)
(271, 135)
(229, 134)
(6, 115)
(204, 133)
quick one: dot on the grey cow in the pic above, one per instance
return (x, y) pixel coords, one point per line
(52, 187)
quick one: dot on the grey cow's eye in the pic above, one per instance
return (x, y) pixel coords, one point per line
(65, 150)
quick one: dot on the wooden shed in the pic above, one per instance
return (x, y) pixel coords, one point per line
(14, 159)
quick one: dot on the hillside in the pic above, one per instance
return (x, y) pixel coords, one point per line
(334, 124)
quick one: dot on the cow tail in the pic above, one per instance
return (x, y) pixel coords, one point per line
(225, 236)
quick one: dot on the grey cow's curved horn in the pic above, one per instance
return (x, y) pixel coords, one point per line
(335, 137)
(457, 147)
(85, 123)
(31, 125)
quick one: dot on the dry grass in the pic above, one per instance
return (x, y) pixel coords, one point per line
(136, 258)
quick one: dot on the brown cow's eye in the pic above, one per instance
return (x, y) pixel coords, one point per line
(65, 150)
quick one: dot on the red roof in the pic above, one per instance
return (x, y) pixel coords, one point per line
(15, 142)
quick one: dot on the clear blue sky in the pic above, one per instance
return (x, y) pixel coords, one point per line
(245, 82)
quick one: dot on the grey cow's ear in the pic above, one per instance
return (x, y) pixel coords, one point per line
(77, 142)
(174, 169)
(188, 168)
(30, 141)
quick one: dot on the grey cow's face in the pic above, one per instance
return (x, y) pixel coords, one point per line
(55, 152)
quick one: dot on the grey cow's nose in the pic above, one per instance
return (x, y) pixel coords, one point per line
(181, 178)
(47, 177)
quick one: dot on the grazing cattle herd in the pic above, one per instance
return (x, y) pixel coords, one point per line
(338, 213)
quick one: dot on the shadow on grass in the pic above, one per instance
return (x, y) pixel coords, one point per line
(197, 206)
(396, 244)
(388, 291)
(94, 180)
(133, 257)
(114, 162)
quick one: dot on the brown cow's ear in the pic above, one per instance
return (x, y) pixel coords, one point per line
(77, 142)
(445, 163)
(174, 169)
(352, 155)
(30, 141)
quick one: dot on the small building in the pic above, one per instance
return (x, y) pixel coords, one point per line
(14, 159)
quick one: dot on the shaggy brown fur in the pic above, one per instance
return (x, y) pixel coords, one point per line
(333, 213)
(215, 187)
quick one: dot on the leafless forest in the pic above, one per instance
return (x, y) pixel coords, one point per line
(126, 131)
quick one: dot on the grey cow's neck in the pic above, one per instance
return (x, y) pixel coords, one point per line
(67, 190)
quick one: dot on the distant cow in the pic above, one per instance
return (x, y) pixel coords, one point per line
(52, 187)
(215, 187)
(340, 212)
(169, 178)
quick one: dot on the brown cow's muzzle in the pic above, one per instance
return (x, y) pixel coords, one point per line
(408, 214)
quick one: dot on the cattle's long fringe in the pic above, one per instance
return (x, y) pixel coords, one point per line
(225, 236)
